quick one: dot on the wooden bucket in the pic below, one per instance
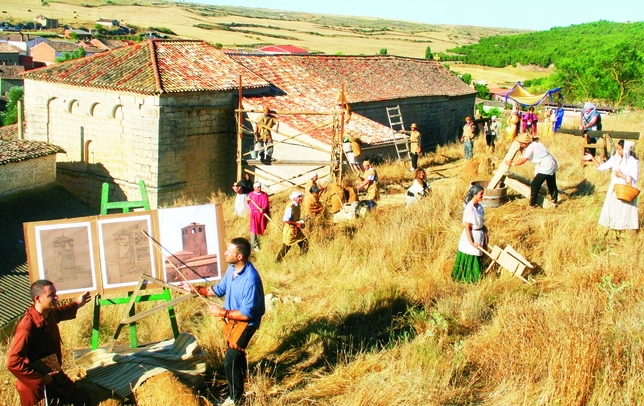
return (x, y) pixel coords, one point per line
(492, 197)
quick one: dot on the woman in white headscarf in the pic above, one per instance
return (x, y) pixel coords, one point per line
(590, 120)
(617, 214)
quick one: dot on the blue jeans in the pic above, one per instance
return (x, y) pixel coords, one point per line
(469, 154)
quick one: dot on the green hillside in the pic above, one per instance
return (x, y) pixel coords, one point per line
(601, 61)
(548, 47)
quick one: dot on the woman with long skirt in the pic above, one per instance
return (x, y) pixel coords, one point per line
(617, 214)
(467, 267)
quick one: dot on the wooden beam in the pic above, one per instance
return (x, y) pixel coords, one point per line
(500, 172)
(525, 191)
(626, 135)
(281, 162)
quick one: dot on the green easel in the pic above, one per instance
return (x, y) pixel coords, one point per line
(132, 298)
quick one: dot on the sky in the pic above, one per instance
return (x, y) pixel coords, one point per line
(532, 15)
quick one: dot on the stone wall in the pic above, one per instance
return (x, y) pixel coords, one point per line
(440, 119)
(178, 145)
(197, 145)
(28, 174)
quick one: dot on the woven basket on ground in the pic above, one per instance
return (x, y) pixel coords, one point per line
(626, 193)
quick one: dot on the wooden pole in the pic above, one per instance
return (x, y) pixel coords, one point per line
(240, 134)
(265, 215)
(159, 247)
(21, 120)
(341, 137)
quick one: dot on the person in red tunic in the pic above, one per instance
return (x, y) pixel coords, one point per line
(259, 209)
(36, 338)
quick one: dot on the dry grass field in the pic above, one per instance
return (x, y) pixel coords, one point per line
(314, 32)
(371, 316)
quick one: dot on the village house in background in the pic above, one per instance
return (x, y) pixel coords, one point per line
(284, 50)
(163, 111)
(9, 54)
(47, 51)
(46, 23)
(10, 77)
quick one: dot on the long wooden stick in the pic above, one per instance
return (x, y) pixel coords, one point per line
(159, 247)
(265, 215)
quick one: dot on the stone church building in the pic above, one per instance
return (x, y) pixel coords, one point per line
(162, 111)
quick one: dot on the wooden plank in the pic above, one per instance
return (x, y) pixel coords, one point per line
(511, 264)
(500, 172)
(524, 180)
(626, 135)
(518, 256)
(525, 191)
(156, 309)
(280, 162)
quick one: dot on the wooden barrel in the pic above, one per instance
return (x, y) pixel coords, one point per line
(492, 197)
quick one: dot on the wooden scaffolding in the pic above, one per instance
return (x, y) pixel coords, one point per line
(335, 160)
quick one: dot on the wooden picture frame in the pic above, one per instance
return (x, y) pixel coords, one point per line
(125, 252)
(193, 242)
(64, 252)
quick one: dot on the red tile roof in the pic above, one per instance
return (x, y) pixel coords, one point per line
(284, 49)
(108, 43)
(312, 83)
(153, 67)
(60, 46)
(10, 132)
(21, 150)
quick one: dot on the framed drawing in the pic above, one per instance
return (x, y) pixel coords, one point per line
(63, 252)
(193, 242)
(125, 251)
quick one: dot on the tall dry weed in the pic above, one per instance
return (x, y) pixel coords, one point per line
(371, 316)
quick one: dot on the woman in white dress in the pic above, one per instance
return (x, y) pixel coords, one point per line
(617, 214)
(419, 188)
(467, 267)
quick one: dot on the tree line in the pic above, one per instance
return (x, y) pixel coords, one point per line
(602, 61)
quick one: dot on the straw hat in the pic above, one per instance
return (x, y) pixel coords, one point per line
(523, 138)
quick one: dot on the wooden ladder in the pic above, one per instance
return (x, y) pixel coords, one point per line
(396, 124)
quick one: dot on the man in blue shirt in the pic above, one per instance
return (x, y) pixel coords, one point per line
(243, 310)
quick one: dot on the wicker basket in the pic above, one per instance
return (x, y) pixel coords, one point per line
(626, 193)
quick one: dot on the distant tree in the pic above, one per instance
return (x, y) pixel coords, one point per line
(218, 45)
(482, 91)
(10, 115)
(428, 53)
(68, 56)
(465, 77)
(383, 51)
(73, 36)
(339, 53)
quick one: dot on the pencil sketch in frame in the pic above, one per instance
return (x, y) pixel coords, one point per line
(65, 256)
(192, 241)
(126, 253)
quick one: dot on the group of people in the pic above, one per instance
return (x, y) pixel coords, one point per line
(35, 354)
(618, 213)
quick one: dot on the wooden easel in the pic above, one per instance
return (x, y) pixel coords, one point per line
(132, 298)
(125, 206)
